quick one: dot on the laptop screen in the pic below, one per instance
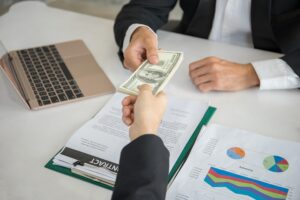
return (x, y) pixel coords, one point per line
(8, 67)
(2, 49)
(4, 55)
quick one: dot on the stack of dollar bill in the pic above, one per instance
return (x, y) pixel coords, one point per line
(156, 75)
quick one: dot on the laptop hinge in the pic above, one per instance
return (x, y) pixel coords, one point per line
(10, 72)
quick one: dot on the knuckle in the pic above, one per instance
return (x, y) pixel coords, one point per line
(216, 85)
(216, 76)
(193, 75)
(197, 80)
(127, 54)
(193, 64)
(213, 59)
(192, 67)
(202, 88)
(125, 64)
(214, 66)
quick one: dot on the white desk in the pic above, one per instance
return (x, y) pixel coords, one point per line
(28, 139)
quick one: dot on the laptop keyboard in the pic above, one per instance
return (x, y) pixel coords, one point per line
(48, 75)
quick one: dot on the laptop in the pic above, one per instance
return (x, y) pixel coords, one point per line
(54, 74)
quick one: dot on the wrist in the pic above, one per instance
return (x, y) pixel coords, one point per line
(135, 135)
(252, 77)
(135, 132)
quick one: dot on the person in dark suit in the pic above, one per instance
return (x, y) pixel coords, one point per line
(272, 25)
(144, 163)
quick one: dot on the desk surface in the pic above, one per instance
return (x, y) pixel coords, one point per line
(28, 139)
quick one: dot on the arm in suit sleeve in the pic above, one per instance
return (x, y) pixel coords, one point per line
(143, 170)
(153, 13)
(287, 34)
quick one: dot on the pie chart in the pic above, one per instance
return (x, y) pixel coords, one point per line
(275, 164)
(236, 153)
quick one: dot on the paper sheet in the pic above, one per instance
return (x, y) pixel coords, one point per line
(227, 163)
(99, 142)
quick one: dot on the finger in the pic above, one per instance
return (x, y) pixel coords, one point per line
(200, 71)
(151, 51)
(203, 79)
(152, 56)
(132, 58)
(144, 88)
(129, 100)
(129, 66)
(125, 64)
(127, 110)
(206, 87)
(132, 63)
(204, 61)
(127, 120)
(132, 117)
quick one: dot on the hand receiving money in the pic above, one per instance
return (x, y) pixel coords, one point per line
(156, 75)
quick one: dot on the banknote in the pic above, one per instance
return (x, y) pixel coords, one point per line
(156, 75)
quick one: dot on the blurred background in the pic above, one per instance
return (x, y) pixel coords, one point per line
(101, 8)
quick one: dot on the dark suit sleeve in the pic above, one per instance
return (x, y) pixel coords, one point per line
(287, 34)
(143, 170)
(153, 13)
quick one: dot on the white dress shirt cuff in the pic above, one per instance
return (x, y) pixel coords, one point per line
(276, 74)
(129, 32)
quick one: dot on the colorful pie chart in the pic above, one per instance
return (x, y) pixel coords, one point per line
(236, 153)
(275, 164)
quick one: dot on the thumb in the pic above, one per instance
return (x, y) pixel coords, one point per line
(152, 52)
(144, 88)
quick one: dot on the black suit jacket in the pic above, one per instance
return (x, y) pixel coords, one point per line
(275, 23)
(143, 170)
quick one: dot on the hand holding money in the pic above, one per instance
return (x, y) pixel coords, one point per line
(156, 75)
(143, 45)
(143, 113)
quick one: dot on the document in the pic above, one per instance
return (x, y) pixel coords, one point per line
(227, 163)
(94, 149)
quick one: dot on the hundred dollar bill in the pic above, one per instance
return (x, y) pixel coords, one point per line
(157, 75)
